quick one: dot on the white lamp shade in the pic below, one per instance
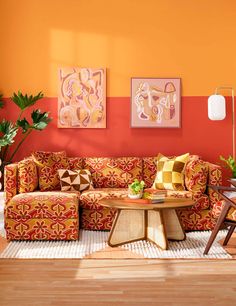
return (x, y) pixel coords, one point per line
(216, 107)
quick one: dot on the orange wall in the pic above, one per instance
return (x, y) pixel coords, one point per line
(154, 38)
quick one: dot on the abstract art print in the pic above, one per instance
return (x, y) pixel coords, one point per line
(155, 102)
(82, 98)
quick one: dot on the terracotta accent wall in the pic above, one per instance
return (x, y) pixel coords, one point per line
(153, 38)
(198, 135)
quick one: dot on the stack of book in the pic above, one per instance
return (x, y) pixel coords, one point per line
(154, 195)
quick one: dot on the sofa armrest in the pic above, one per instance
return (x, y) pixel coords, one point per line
(10, 181)
(214, 179)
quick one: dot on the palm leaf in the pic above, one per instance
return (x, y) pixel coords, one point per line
(8, 131)
(25, 101)
(40, 120)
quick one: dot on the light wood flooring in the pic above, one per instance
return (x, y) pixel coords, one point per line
(117, 282)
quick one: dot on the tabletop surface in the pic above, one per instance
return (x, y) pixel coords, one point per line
(126, 203)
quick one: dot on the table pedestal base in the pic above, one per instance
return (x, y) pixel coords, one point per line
(156, 226)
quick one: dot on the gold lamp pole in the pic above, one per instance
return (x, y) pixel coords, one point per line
(233, 120)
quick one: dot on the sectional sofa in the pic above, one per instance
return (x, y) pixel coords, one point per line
(33, 214)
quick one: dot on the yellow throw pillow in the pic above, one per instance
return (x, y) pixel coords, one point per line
(170, 172)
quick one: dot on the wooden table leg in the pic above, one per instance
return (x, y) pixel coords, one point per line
(173, 226)
(128, 226)
(155, 231)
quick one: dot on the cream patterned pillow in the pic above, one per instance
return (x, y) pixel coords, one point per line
(170, 172)
(76, 180)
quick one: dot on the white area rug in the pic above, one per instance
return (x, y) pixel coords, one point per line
(93, 241)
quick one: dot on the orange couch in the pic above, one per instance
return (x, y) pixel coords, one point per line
(56, 215)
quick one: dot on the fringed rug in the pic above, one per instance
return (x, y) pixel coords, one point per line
(92, 242)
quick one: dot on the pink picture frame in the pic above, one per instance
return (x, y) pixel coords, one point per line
(82, 98)
(155, 102)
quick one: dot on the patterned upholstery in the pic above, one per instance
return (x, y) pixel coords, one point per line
(196, 174)
(75, 163)
(106, 173)
(89, 199)
(48, 163)
(197, 220)
(170, 172)
(216, 210)
(27, 176)
(114, 172)
(10, 181)
(214, 178)
(42, 216)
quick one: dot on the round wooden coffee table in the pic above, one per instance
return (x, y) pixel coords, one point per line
(138, 221)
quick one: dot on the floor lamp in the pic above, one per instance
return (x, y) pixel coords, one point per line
(217, 110)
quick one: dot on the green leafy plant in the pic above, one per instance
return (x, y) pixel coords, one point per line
(136, 187)
(230, 163)
(22, 127)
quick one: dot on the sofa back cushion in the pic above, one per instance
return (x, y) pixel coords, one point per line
(48, 163)
(27, 176)
(75, 163)
(115, 172)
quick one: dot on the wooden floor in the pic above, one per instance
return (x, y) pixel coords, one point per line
(117, 282)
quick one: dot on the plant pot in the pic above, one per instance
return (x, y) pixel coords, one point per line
(135, 196)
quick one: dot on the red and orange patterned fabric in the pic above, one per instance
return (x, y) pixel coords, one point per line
(42, 216)
(75, 163)
(10, 181)
(97, 219)
(114, 172)
(48, 163)
(217, 208)
(197, 220)
(196, 174)
(214, 178)
(89, 198)
(149, 170)
(27, 176)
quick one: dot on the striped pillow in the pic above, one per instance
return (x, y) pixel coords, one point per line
(170, 172)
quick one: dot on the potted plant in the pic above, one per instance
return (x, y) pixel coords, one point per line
(22, 127)
(136, 189)
(230, 164)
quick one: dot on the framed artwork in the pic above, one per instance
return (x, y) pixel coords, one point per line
(155, 103)
(82, 98)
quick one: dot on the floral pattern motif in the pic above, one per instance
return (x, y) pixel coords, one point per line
(10, 181)
(108, 174)
(48, 163)
(27, 176)
(114, 172)
(42, 215)
(217, 208)
(196, 173)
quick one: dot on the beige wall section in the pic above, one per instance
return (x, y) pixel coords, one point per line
(194, 40)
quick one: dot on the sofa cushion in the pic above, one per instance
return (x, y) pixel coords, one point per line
(201, 201)
(27, 175)
(217, 208)
(149, 170)
(48, 163)
(54, 205)
(170, 172)
(196, 175)
(114, 172)
(89, 199)
(77, 180)
(75, 163)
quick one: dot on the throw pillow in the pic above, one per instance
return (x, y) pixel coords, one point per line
(48, 163)
(76, 180)
(170, 172)
(27, 175)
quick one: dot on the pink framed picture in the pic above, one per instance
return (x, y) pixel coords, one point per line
(82, 98)
(155, 102)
